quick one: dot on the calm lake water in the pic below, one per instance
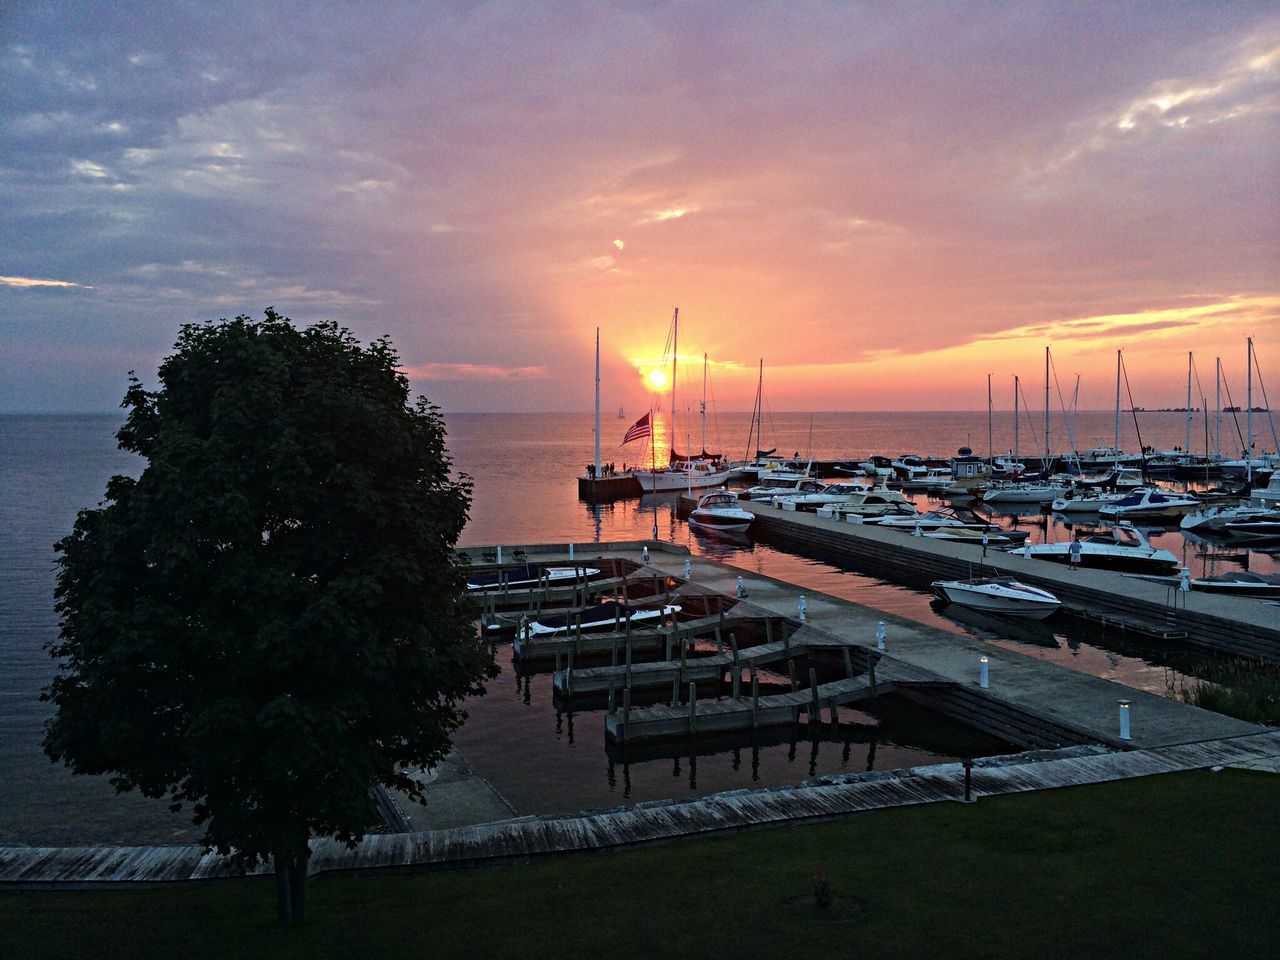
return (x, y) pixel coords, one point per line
(523, 466)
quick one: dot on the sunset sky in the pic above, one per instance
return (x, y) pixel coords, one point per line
(883, 201)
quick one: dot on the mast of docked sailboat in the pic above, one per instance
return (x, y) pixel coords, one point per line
(597, 473)
(755, 417)
(1016, 387)
(1117, 440)
(1217, 408)
(704, 403)
(1248, 419)
(991, 454)
(1186, 450)
(675, 354)
(1046, 408)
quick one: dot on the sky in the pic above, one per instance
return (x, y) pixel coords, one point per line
(884, 202)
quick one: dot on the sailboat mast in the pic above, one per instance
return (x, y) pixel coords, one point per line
(704, 403)
(597, 402)
(1117, 440)
(1248, 419)
(1186, 449)
(1046, 408)
(1016, 387)
(675, 353)
(991, 454)
(1217, 407)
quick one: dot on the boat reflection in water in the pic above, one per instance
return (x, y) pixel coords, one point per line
(1034, 632)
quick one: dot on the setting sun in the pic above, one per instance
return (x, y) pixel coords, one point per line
(657, 379)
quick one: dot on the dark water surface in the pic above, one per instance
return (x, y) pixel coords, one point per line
(523, 466)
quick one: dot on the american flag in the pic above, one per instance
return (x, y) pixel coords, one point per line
(640, 429)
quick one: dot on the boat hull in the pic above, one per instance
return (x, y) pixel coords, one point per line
(1006, 598)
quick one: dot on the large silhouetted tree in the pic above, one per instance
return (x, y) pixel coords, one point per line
(269, 620)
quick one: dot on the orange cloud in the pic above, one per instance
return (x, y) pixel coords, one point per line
(474, 371)
(32, 282)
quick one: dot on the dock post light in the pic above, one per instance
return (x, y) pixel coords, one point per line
(655, 531)
(688, 568)
(800, 613)
(917, 532)
(1184, 584)
(742, 589)
(984, 673)
(644, 553)
(1124, 720)
(499, 553)
(880, 636)
(571, 551)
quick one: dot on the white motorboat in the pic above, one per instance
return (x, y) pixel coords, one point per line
(977, 538)
(1269, 496)
(1216, 518)
(1264, 525)
(828, 495)
(1243, 584)
(720, 511)
(1090, 502)
(526, 575)
(1103, 457)
(1002, 595)
(939, 519)
(604, 616)
(1147, 503)
(1117, 478)
(1025, 493)
(871, 502)
(933, 478)
(682, 475)
(905, 510)
(772, 487)
(1124, 547)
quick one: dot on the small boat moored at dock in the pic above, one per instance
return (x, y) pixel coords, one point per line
(604, 616)
(1002, 595)
(720, 511)
(526, 575)
(1147, 503)
(1125, 547)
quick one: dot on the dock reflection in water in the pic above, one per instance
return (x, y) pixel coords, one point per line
(544, 758)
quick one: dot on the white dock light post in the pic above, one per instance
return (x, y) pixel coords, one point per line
(571, 551)
(499, 553)
(984, 675)
(644, 553)
(1124, 720)
(688, 568)
(1184, 584)
(880, 636)
(800, 613)
(742, 589)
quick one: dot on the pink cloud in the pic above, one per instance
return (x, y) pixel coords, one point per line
(474, 371)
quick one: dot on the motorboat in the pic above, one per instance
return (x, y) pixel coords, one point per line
(604, 616)
(1117, 478)
(1263, 525)
(949, 519)
(1025, 493)
(1089, 502)
(831, 493)
(979, 538)
(1002, 595)
(720, 511)
(1216, 518)
(782, 471)
(526, 575)
(1242, 584)
(878, 468)
(903, 510)
(933, 478)
(1102, 457)
(870, 502)
(783, 487)
(1124, 547)
(1148, 503)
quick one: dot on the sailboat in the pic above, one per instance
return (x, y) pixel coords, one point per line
(683, 473)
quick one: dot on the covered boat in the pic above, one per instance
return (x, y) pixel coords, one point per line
(1002, 595)
(604, 616)
(526, 575)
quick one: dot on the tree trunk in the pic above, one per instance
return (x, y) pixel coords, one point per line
(284, 892)
(298, 887)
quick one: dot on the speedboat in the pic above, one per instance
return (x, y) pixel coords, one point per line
(720, 511)
(1149, 504)
(526, 575)
(604, 616)
(953, 518)
(772, 487)
(1090, 502)
(1242, 584)
(933, 478)
(1002, 595)
(1125, 547)
(1117, 478)
(899, 511)
(964, 535)
(869, 502)
(1264, 525)
(831, 493)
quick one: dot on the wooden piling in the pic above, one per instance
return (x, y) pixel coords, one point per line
(755, 697)
(693, 708)
(848, 663)
(813, 689)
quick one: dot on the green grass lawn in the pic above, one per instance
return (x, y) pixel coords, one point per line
(1184, 865)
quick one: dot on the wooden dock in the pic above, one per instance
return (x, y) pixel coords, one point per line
(529, 838)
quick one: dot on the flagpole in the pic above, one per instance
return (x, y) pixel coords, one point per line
(653, 459)
(597, 403)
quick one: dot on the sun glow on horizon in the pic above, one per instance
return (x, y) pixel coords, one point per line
(657, 378)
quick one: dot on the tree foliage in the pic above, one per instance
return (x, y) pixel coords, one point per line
(270, 619)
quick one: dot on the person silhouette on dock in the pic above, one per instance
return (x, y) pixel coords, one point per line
(1075, 550)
